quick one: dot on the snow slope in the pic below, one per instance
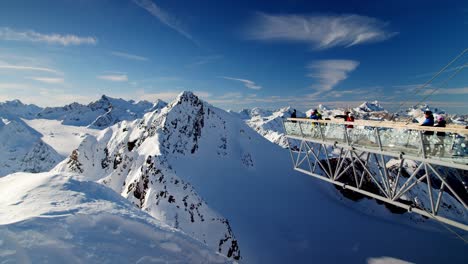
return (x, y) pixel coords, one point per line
(100, 114)
(275, 214)
(63, 138)
(269, 124)
(22, 149)
(54, 218)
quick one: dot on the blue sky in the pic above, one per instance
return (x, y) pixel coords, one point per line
(234, 54)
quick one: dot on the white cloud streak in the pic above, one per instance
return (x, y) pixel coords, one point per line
(205, 60)
(33, 36)
(5, 87)
(129, 56)
(247, 83)
(48, 80)
(164, 17)
(330, 72)
(27, 68)
(320, 31)
(114, 77)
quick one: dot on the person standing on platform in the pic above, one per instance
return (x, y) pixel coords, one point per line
(294, 115)
(439, 148)
(428, 121)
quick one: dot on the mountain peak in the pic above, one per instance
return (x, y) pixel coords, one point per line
(15, 102)
(186, 96)
(105, 98)
(370, 107)
(186, 99)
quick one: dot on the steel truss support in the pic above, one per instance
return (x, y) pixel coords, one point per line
(399, 186)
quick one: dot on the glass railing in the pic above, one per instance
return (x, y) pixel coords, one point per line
(439, 145)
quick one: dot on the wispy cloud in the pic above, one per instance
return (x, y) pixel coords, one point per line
(33, 36)
(27, 68)
(320, 31)
(330, 72)
(129, 56)
(365, 93)
(164, 17)
(205, 60)
(14, 86)
(48, 80)
(114, 77)
(247, 83)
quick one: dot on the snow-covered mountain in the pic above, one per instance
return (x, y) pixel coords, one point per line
(22, 149)
(416, 112)
(100, 114)
(369, 107)
(131, 158)
(204, 171)
(371, 111)
(55, 218)
(269, 124)
(25, 149)
(460, 119)
(18, 109)
(325, 111)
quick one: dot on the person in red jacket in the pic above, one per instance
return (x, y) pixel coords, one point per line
(348, 117)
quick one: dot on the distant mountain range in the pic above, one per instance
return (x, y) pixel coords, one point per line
(99, 114)
(26, 151)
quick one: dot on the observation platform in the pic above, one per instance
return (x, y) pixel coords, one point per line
(420, 169)
(390, 138)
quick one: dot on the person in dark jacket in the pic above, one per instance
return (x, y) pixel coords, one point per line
(439, 148)
(294, 115)
(428, 121)
(315, 115)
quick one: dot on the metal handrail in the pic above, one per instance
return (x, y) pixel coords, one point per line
(388, 124)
